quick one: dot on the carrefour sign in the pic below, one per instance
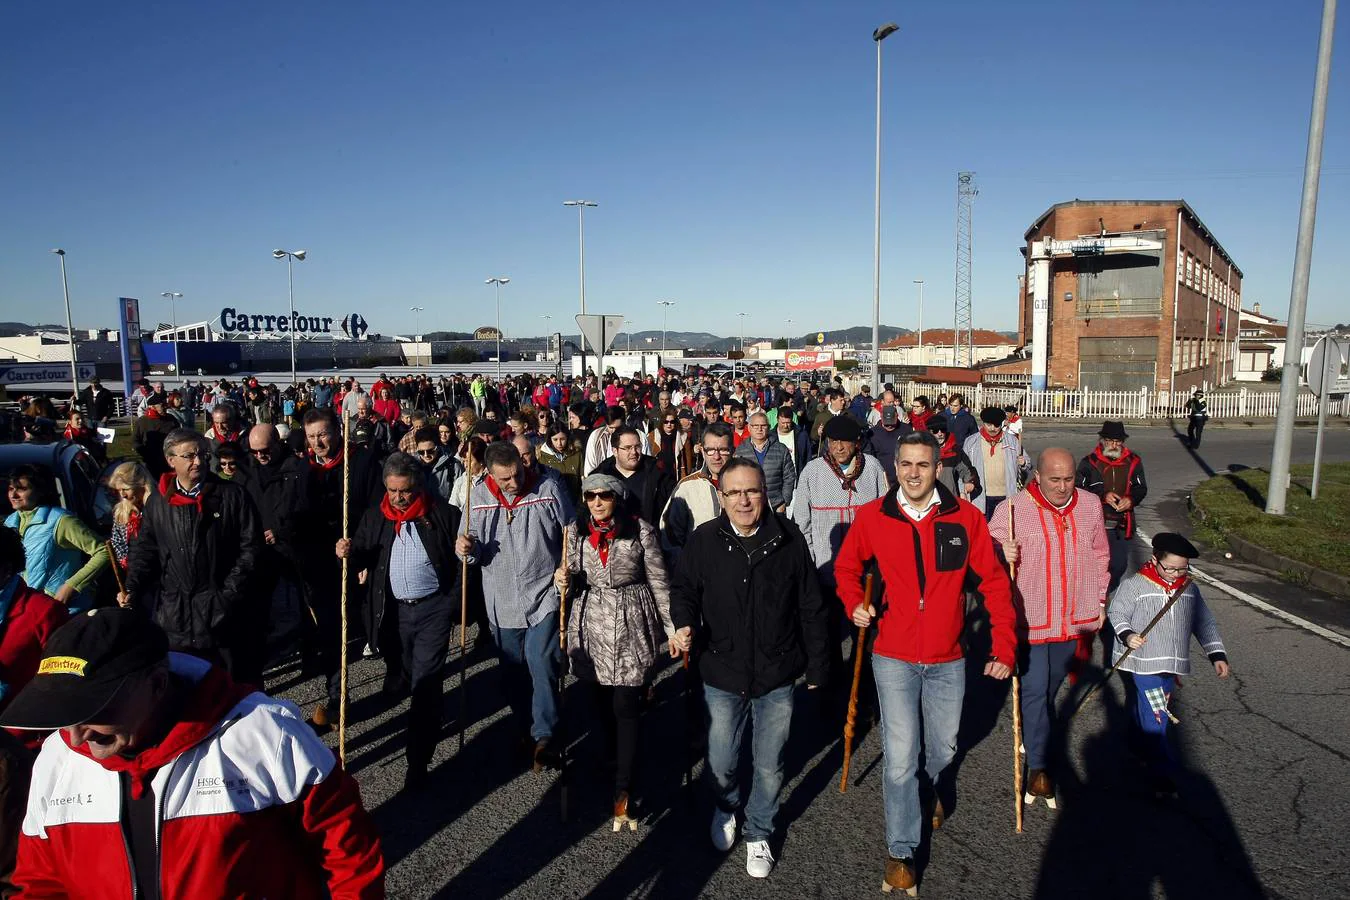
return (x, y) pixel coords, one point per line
(233, 320)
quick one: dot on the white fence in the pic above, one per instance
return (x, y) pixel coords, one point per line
(1141, 404)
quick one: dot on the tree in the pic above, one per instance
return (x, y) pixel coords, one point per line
(780, 344)
(461, 356)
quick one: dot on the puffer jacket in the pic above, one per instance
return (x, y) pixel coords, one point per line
(759, 618)
(780, 474)
(203, 561)
(619, 615)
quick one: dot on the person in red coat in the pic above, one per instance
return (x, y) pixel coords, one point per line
(926, 545)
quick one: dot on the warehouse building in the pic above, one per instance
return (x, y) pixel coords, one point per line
(1125, 294)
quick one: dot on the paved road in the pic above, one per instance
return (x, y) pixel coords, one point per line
(1262, 813)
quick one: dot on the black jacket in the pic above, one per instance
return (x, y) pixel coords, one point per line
(654, 489)
(278, 492)
(147, 439)
(321, 524)
(203, 564)
(374, 541)
(759, 618)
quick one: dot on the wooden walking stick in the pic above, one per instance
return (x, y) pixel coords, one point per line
(1018, 799)
(1176, 595)
(464, 614)
(116, 568)
(346, 535)
(851, 719)
(562, 678)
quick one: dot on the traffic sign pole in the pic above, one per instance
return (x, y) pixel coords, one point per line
(1322, 403)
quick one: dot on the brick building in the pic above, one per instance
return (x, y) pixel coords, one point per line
(1139, 294)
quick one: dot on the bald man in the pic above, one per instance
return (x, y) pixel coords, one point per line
(1057, 539)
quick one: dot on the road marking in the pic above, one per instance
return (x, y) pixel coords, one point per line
(1264, 605)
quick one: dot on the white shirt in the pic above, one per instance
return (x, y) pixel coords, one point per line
(917, 511)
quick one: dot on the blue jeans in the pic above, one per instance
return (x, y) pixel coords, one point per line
(915, 699)
(1047, 666)
(772, 715)
(531, 663)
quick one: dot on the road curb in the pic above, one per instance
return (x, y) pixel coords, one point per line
(1281, 566)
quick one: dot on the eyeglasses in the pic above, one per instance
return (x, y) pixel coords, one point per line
(720, 451)
(607, 496)
(748, 493)
(1175, 570)
(191, 457)
(629, 448)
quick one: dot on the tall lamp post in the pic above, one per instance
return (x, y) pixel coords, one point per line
(70, 329)
(417, 320)
(919, 282)
(665, 308)
(733, 362)
(290, 256)
(497, 281)
(581, 207)
(173, 297)
(878, 36)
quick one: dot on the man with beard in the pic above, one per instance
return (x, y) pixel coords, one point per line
(322, 529)
(1115, 474)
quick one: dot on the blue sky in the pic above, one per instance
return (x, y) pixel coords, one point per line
(417, 148)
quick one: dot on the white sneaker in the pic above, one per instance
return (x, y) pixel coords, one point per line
(723, 829)
(758, 859)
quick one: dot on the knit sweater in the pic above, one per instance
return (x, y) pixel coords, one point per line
(1136, 601)
(824, 509)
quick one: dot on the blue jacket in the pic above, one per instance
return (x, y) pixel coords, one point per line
(47, 566)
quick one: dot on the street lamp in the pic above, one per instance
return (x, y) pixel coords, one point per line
(627, 323)
(919, 282)
(581, 207)
(733, 362)
(665, 308)
(70, 329)
(878, 36)
(497, 281)
(417, 321)
(172, 297)
(290, 256)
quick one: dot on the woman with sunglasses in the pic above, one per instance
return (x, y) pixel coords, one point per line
(562, 453)
(671, 446)
(618, 621)
(543, 424)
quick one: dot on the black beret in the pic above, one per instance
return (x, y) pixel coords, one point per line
(992, 415)
(1170, 542)
(843, 428)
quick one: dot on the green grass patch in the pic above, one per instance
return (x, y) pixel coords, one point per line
(1316, 532)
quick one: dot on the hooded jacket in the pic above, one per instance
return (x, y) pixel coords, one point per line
(249, 803)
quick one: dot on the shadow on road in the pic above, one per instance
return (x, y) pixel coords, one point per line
(1110, 838)
(1186, 443)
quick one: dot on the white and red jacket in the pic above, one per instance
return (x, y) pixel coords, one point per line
(250, 803)
(1062, 571)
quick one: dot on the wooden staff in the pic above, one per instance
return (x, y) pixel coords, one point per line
(346, 525)
(1018, 799)
(464, 609)
(116, 569)
(688, 754)
(1176, 595)
(851, 719)
(562, 677)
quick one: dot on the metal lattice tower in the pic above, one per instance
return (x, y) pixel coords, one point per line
(963, 339)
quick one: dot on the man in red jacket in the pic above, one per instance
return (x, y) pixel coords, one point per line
(925, 543)
(167, 779)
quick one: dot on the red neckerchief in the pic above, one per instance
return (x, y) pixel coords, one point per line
(334, 460)
(224, 437)
(600, 538)
(1150, 571)
(416, 510)
(527, 482)
(168, 486)
(920, 420)
(846, 481)
(948, 446)
(206, 704)
(1125, 455)
(994, 442)
(1013, 418)
(152, 413)
(72, 434)
(1061, 516)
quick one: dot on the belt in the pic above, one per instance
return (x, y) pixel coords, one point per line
(416, 600)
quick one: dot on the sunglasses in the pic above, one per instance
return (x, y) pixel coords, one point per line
(228, 464)
(427, 454)
(266, 451)
(607, 496)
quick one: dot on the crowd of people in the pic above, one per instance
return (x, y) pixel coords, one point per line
(595, 528)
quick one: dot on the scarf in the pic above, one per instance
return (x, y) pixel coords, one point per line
(1125, 455)
(1150, 571)
(527, 483)
(1063, 518)
(78, 435)
(847, 481)
(948, 449)
(416, 510)
(168, 486)
(223, 437)
(152, 413)
(992, 442)
(600, 538)
(333, 461)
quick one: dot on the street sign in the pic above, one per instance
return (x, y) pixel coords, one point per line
(1329, 366)
(19, 374)
(600, 331)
